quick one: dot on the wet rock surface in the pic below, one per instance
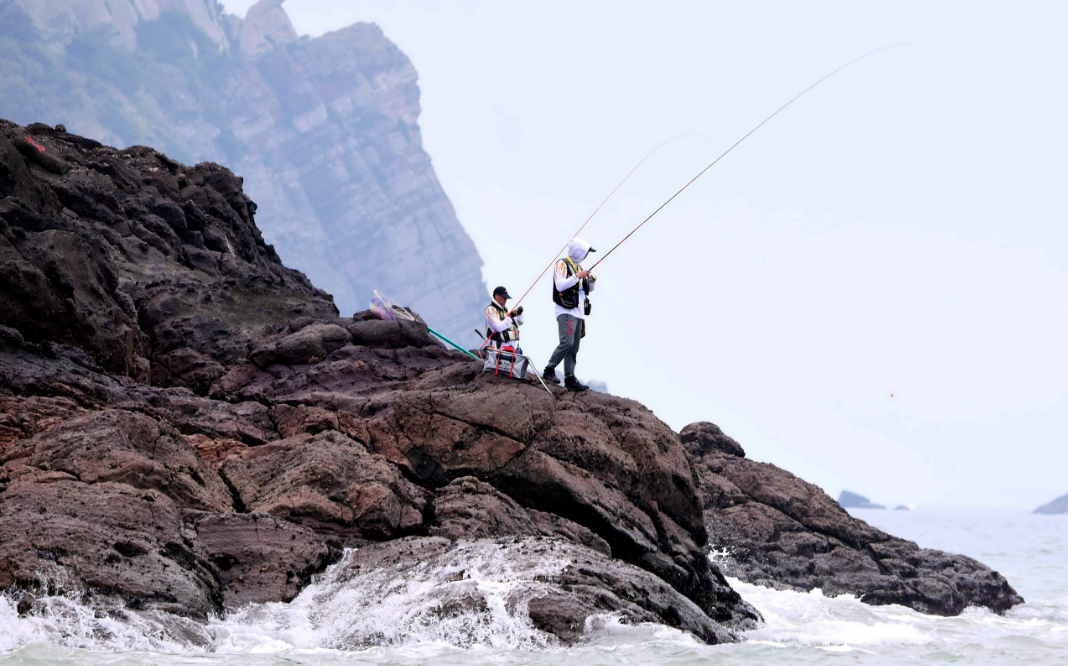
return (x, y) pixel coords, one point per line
(187, 426)
(780, 531)
(471, 584)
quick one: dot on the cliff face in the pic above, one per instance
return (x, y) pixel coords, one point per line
(186, 426)
(324, 132)
(59, 22)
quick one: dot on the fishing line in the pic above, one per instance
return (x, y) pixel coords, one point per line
(620, 184)
(796, 97)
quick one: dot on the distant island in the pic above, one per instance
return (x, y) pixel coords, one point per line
(1059, 505)
(850, 500)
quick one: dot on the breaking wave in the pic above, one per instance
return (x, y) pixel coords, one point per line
(471, 612)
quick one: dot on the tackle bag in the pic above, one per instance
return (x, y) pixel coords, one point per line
(505, 361)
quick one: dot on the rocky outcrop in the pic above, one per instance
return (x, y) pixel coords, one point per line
(851, 500)
(188, 426)
(1059, 505)
(156, 352)
(146, 264)
(324, 132)
(771, 528)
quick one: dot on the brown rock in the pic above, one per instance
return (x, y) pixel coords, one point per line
(471, 509)
(703, 437)
(133, 449)
(108, 539)
(557, 583)
(300, 419)
(317, 340)
(389, 334)
(329, 483)
(261, 558)
(782, 532)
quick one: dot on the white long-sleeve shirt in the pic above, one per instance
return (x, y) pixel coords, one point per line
(577, 250)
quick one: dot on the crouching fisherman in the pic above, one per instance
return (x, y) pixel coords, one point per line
(502, 326)
(571, 284)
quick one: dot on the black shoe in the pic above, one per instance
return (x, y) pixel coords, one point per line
(572, 384)
(550, 376)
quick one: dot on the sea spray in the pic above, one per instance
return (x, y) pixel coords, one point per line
(74, 622)
(800, 627)
(475, 594)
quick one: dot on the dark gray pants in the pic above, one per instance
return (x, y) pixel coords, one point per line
(570, 329)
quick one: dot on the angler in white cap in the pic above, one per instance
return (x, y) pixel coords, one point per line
(571, 286)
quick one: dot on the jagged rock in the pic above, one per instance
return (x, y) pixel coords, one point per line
(261, 558)
(315, 341)
(61, 536)
(702, 438)
(330, 483)
(123, 447)
(389, 334)
(556, 583)
(1059, 505)
(851, 500)
(780, 531)
(471, 509)
(108, 259)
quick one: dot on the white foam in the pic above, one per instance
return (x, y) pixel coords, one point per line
(69, 622)
(844, 623)
(474, 595)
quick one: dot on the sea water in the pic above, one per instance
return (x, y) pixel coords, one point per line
(800, 628)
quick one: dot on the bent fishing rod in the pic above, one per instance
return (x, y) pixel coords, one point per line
(736, 143)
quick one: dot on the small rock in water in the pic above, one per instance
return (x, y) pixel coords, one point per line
(25, 604)
(850, 500)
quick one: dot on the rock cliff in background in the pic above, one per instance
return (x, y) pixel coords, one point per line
(1059, 505)
(61, 22)
(186, 426)
(774, 529)
(324, 132)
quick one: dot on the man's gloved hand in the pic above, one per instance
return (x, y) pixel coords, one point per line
(517, 312)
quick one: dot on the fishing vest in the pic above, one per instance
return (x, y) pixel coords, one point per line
(568, 298)
(507, 335)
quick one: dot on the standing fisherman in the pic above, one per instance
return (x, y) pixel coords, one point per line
(502, 326)
(571, 284)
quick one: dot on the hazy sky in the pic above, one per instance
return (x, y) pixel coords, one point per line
(870, 291)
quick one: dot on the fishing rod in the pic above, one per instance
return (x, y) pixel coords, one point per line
(762, 123)
(620, 184)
